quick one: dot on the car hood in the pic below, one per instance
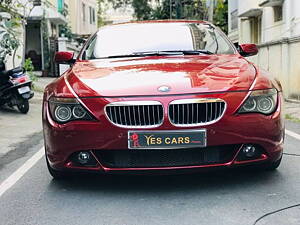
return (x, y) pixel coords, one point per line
(144, 76)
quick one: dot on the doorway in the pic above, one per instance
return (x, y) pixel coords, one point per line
(33, 44)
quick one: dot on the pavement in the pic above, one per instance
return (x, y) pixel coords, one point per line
(17, 128)
(292, 111)
(235, 197)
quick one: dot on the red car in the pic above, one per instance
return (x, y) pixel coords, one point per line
(161, 96)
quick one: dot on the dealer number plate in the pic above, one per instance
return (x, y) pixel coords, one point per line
(166, 139)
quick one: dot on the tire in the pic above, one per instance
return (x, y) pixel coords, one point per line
(23, 107)
(57, 175)
(272, 166)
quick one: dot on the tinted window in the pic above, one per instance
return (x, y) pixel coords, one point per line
(145, 37)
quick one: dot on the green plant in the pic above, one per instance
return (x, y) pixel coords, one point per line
(65, 30)
(100, 12)
(292, 118)
(221, 15)
(9, 38)
(28, 66)
(19, 10)
(142, 9)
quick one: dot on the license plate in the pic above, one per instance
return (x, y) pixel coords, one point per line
(23, 90)
(166, 139)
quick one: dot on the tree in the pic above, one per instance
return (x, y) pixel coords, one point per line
(221, 15)
(181, 9)
(164, 10)
(142, 9)
(101, 9)
(120, 3)
(9, 35)
(176, 9)
(66, 31)
(19, 11)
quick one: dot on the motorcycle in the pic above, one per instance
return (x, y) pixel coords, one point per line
(15, 88)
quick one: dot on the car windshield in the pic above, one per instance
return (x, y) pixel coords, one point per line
(157, 39)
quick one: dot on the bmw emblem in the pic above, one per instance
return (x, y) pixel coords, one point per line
(164, 89)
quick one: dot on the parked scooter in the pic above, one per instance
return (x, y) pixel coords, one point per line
(15, 88)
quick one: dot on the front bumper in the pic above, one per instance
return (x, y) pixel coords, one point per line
(98, 137)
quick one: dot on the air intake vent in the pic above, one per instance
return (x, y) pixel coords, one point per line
(147, 158)
(196, 112)
(135, 114)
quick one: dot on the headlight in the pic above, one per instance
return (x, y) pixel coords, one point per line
(263, 101)
(64, 110)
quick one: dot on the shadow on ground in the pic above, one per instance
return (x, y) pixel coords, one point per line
(6, 109)
(20, 149)
(209, 185)
(167, 183)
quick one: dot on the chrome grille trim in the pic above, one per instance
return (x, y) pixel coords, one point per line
(135, 114)
(196, 112)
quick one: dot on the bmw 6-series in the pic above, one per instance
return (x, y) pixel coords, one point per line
(161, 97)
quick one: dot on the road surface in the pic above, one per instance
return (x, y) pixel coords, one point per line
(30, 196)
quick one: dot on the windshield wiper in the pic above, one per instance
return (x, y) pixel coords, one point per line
(162, 53)
(193, 52)
(175, 52)
(142, 54)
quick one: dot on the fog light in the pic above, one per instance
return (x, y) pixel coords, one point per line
(249, 151)
(83, 157)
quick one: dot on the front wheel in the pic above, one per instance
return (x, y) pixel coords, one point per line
(23, 106)
(273, 165)
(57, 175)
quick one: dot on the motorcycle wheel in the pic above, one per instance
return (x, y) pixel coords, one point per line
(23, 107)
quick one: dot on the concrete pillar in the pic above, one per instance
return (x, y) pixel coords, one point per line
(288, 16)
(211, 11)
(285, 68)
(244, 31)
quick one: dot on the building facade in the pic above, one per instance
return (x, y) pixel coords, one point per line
(274, 25)
(83, 16)
(44, 21)
(42, 29)
(39, 26)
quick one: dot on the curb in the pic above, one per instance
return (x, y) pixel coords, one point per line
(292, 101)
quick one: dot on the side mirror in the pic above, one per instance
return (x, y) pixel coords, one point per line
(64, 58)
(248, 49)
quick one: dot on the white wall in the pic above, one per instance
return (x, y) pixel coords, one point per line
(295, 18)
(271, 30)
(245, 5)
(280, 42)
